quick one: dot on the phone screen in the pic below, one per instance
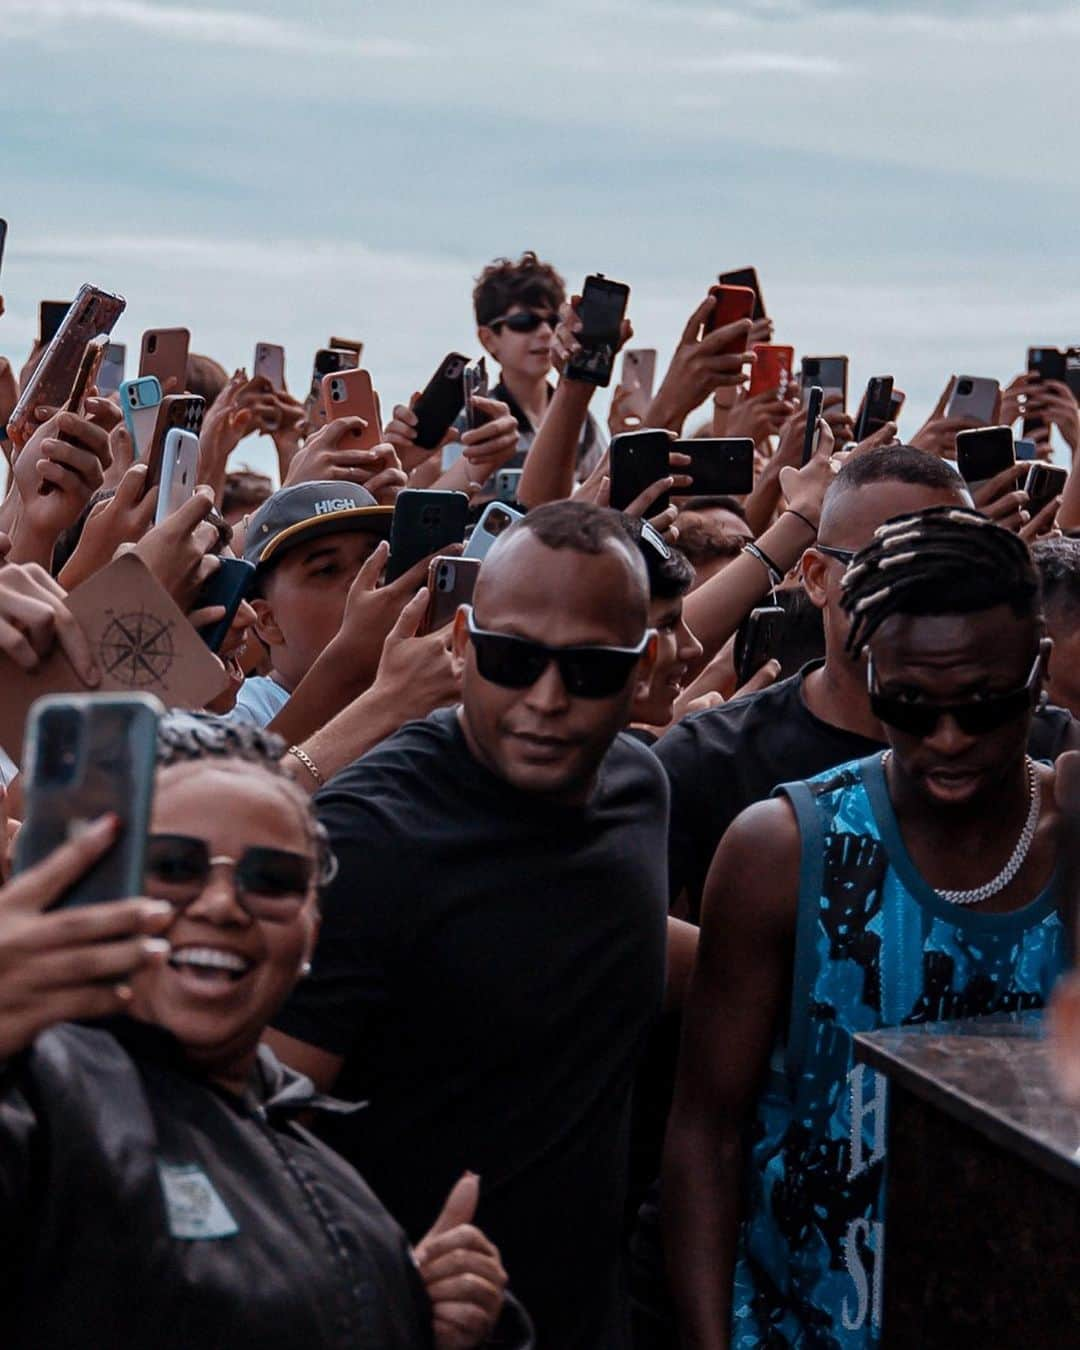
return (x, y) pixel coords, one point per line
(603, 304)
(51, 315)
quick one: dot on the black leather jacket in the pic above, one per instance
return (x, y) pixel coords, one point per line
(142, 1207)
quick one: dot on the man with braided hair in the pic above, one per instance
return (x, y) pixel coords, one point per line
(915, 885)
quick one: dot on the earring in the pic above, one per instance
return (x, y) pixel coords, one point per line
(305, 970)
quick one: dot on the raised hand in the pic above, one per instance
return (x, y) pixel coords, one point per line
(462, 1272)
(700, 366)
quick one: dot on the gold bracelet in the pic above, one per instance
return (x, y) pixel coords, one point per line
(308, 763)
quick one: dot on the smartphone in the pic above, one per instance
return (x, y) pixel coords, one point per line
(828, 371)
(328, 361)
(507, 482)
(424, 522)
(896, 403)
(86, 374)
(876, 403)
(772, 369)
(450, 583)
(443, 398)
(164, 353)
(983, 452)
(1072, 371)
(92, 312)
(179, 471)
(601, 311)
(1043, 483)
(349, 345)
(793, 637)
(474, 385)
(183, 411)
(639, 459)
(1048, 364)
(732, 304)
(496, 518)
(748, 277)
(760, 640)
(111, 375)
(350, 393)
(1025, 450)
(638, 377)
(3, 239)
(228, 586)
(87, 754)
(51, 314)
(270, 363)
(815, 398)
(973, 397)
(139, 400)
(720, 467)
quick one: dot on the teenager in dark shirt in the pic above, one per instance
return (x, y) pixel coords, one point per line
(720, 761)
(492, 953)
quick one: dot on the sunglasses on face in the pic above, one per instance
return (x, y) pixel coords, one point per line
(271, 883)
(526, 322)
(587, 672)
(974, 718)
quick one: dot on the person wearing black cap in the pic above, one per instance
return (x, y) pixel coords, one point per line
(308, 544)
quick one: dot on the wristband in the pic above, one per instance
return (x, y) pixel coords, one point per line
(308, 763)
(775, 575)
(790, 511)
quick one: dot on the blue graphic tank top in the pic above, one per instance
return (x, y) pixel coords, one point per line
(875, 947)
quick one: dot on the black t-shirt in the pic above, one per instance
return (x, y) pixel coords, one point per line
(490, 965)
(724, 759)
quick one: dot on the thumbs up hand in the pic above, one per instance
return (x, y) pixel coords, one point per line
(461, 1271)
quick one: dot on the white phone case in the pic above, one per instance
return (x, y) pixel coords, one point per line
(179, 470)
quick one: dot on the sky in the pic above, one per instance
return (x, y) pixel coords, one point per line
(902, 174)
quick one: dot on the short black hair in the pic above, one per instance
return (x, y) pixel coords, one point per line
(671, 573)
(528, 282)
(580, 526)
(714, 504)
(1058, 561)
(944, 560)
(896, 464)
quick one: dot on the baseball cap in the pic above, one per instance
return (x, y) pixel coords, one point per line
(293, 515)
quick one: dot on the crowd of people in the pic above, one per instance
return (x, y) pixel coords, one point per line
(458, 1007)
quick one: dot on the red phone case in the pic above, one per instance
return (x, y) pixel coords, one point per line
(732, 304)
(772, 369)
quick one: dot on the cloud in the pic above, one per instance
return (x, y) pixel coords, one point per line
(222, 27)
(758, 63)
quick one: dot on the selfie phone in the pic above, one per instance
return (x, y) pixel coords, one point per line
(92, 312)
(815, 398)
(450, 583)
(828, 371)
(228, 586)
(760, 640)
(638, 377)
(424, 522)
(732, 304)
(87, 754)
(443, 398)
(183, 411)
(507, 482)
(983, 452)
(601, 311)
(1025, 450)
(50, 316)
(1043, 483)
(111, 374)
(720, 466)
(639, 459)
(1048, 364)
(350, 393)
(179, 471)
(772, 369)
(270, 363)
(164, 353)
(876, 403)
(139, 400)
(973, 397)
(748, 277)
(496, 518)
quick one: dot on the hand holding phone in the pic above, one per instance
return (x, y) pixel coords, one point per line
(732, 304)
(746, 277)
(350, 393)
(228, 586)
(638, 460)
(164, 353)
(877, 401)
(270, 364)
(772, 370)
(451, 582)
(441, 401)
(815, 399)
(139, 401)
(497, 518)
(474, 385)
(601, 312)
(720, 466)
(179, 470)
(984, 452)
(424, 522)
(638, 378)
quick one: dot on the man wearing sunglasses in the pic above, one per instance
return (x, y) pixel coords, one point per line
(721, 761)
(492, 955)
(916, 885)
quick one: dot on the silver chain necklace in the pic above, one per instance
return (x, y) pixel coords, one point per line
(1019, 853)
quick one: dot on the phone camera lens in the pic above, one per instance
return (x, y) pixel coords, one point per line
(151, 344)
(964, 387)
(60, 736)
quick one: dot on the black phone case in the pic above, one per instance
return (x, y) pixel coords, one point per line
(876, 406)
(764, 629)
(424, 523)
(720, 467)
(602, 309)
(639, 459)
(813, 412)
(1043, 483)
(228, 586)
(984, 452)
(443, 398)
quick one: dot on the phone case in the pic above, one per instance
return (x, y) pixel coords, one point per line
(86, 375)
(111, 375)
(760, 640)
(815, 399)
(1043, 483)
(507, 482)
(443, 398)
(182, 411)
(984, 452)
(179, 472)
(92, 312)
(139, 401)
(3, 239)
(874, 412)
(720, 466)
(772, 369)
(450, 583)
(746, 276)
(425, 521)
(831, 372)
(270, 363)
(474, 384)
(496, 518)
(638, 377)
(601, 311)
(349, 345)
(164, 353)
(350, 393)
(328, 361)
(87, 754)
(228, 586)
(973, 397)
(732, 304)
(639, 459)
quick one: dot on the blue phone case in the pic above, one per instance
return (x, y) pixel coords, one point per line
(140, 396)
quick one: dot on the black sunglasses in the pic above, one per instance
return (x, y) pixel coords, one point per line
(271, 883)
(525, 322)
(587, 672)
(974, 718)
(844, 555)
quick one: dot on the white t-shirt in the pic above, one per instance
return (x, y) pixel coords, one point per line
(259, 701)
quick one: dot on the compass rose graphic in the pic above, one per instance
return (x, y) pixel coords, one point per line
(137, 649)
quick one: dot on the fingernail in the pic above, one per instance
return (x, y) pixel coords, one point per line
(157, 909)
(155, 947)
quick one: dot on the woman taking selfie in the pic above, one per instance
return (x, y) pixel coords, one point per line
(158, 1187)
